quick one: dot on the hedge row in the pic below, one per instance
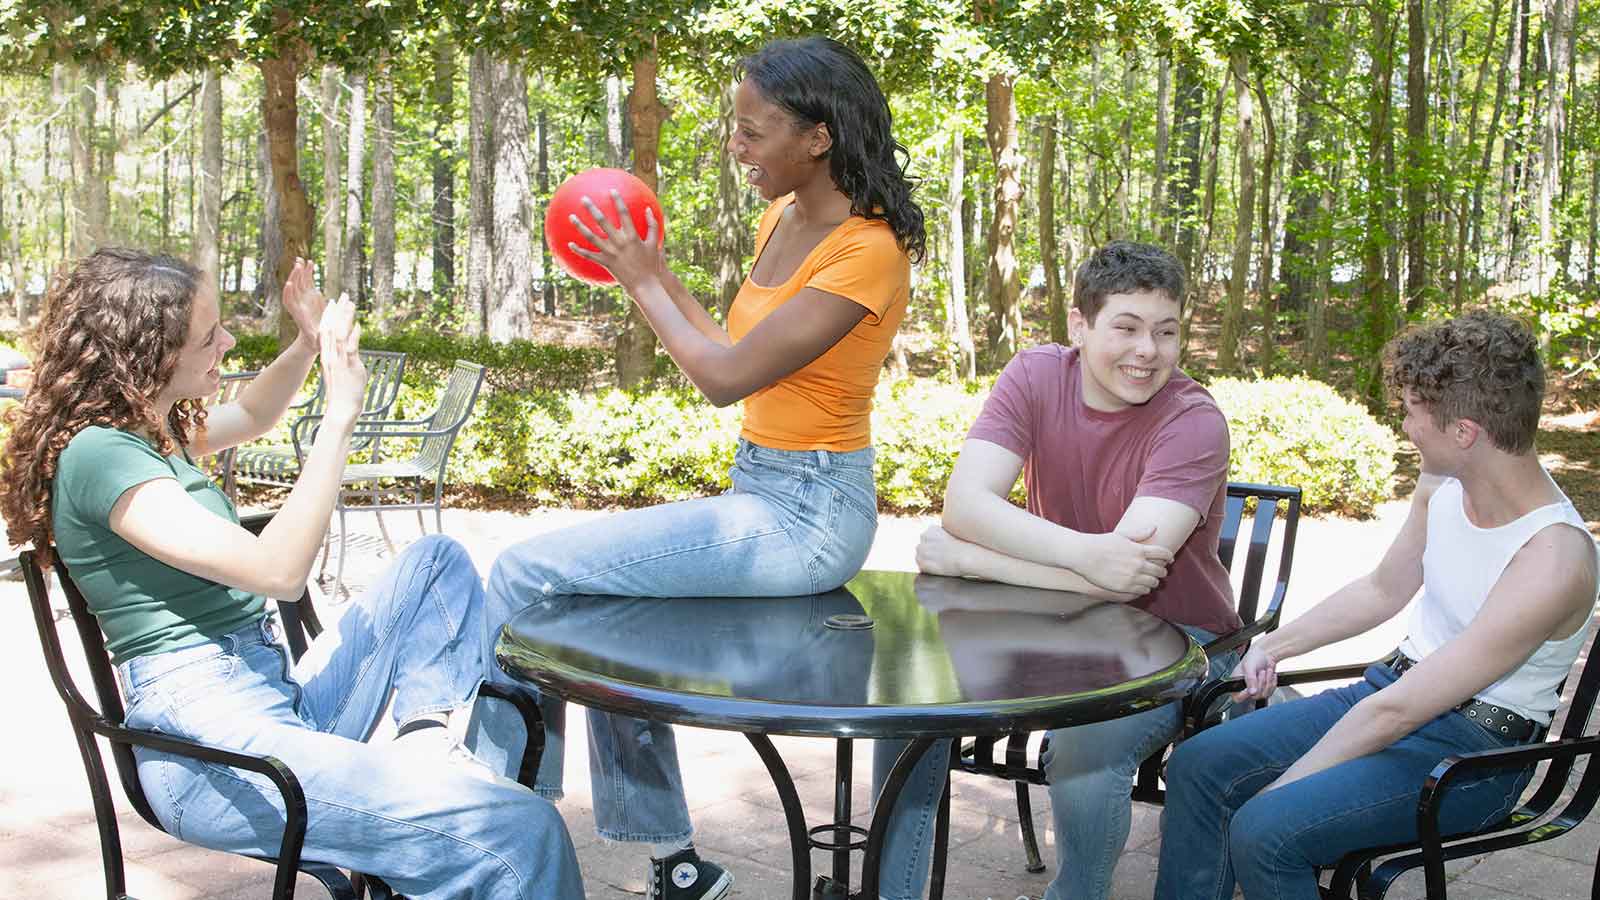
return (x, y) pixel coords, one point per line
(630, 449)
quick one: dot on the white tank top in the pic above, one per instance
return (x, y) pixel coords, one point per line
(1460, 564)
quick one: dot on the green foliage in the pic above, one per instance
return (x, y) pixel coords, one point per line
(918, 425)
(1297, 431)
(513, 366)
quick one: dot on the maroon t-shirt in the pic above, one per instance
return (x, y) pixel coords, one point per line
(1083, 467)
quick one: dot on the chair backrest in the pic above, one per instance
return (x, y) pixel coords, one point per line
(1268, 500)
(222, 463)
(298, 621)
(455, 406)
(385, 371)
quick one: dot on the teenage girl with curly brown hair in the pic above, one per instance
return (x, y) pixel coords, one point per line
(100, 461)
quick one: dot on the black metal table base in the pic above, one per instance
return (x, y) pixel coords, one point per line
(839, 837)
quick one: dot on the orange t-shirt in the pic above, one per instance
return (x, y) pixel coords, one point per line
(827, 404)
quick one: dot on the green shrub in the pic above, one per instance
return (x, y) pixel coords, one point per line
(542, 431)
(1297, 431)
(515, 366)
(918, 425)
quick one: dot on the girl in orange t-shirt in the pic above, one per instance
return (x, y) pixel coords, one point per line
(806, 338)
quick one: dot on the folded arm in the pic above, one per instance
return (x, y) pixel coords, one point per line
(1130, 560)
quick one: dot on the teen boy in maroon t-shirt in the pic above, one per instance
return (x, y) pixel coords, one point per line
(1125, 459)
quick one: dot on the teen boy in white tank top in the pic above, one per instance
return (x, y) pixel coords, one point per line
(1508, 577)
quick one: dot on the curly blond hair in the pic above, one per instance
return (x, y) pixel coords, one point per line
(105, 347)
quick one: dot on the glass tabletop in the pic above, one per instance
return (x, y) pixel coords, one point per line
(891, 654)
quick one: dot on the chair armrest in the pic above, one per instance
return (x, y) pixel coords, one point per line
(294, 797)
(367, 428)
(257, 522)
(1210, 692)
(532, 722)
(1446, 772)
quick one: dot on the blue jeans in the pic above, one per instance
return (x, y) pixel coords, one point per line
(436, 833)
(796, 522)
(1091, 769)
(1219, 828)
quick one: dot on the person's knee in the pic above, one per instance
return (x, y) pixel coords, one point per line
(1189, 766)
(521, 836)
(1255, 839)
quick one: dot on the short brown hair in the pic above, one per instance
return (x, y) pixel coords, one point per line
(1481, 366)
(1123, 267)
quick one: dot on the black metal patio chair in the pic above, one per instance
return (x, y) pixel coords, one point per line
(300, 626)
(1020, 759)
(1552, 805)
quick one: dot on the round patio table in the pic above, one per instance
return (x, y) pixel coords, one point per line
(890, 655)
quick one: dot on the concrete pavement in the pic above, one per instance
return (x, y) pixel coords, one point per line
(49, 847)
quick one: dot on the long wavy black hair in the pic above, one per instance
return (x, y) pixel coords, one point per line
(817, 79)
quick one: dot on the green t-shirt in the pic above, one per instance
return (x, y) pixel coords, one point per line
(144, 605)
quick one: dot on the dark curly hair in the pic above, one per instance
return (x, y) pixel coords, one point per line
(1123, 267)
(817, 79)
(106, 346)
(1481, 366)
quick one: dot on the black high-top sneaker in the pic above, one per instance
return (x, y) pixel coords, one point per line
(685, 876)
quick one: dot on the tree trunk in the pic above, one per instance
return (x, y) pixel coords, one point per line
(383, 188)
(1416, 184)
(1511, 150)
(1593, 278)
(1303, 220)
(1558, 24)
(1379, 308)
(511, 281)
(1265, 290)
(636, 343)
(332, 205)
(616, 100)
(1207, 223)
(443, 159)
(352, 269)
(1048, 244)
(480, 191)
(1125, 159)
(1004, 285)
(282, 115)
(731, 232)
(1467, 218)
(547, 284)
(88, 216)
(1187, 100)
(1158, 184)
(1233, 312)
(208, 230)
(1489, 135)
(958, 327)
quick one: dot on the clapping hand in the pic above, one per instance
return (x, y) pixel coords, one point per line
(344, 378)
(304, 303)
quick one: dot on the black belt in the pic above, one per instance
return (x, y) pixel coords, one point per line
(1493, 718)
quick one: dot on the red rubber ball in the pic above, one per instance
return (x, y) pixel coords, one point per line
(597, 185)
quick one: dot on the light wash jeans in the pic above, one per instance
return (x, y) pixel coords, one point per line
(429, 829)
(796, 522)
(1218, 827)
(1091, 769)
